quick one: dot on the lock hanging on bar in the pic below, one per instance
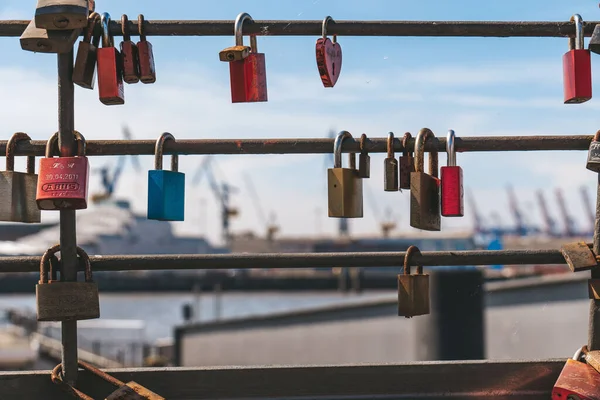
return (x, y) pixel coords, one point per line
(147, 67)
(344, 186)
(452, 182)
(364, 160)
(84, 71)
(577, 380)
(405, 163)
(110, 68)
(413, 289)
(577, 67)
(129, 52)
(594, 44)
(62, 14)
(166, 189)
(329, 57)
(593, 158)
(424, 189)
(18, 189)
(390, 167)
(40, 40)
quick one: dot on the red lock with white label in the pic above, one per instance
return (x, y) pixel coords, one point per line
(110, 68)
(577, 67)
(452, 182)
(63, 181)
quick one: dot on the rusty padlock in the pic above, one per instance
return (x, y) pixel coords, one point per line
(390, 167)
(63, 181)
(129, 52)
(84, 71)
(40, 40)
(61, 14)
(110, 68)
(145, 55)
(593, 158)
(364, 160)
(424, 188)
(577, 67)
(405, 163)
(579, 256)
(413, 289)
(577, 380)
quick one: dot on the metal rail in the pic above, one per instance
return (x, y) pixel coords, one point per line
(311, 146)
(342, 28)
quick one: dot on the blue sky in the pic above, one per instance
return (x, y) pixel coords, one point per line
(476, 86)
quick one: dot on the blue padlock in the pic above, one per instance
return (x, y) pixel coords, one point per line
(166, 189)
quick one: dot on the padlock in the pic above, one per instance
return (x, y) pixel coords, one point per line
(329, 56)
(166, 189)
(129, 52)
(66, 301)
(248, 77)
(145, 55)
(63, 181)
(424, 189)
(364, 160)
(593, 159)
(579, 256)
(110, 68)
(413, 289)
(61, 14)
(84, 71)
(577, 380)
(594, 44)
(451, 178)
(18, 189)
(344, 187)
(42, 41)
(405, 163)
(390, 167)
(577, 67)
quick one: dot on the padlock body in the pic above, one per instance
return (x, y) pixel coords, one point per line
(344, 193)
(166, 195)
(390, 174)
(248, 79)
(63, 183)
(577, 76)
(578, 379)
(146, 58)
(133, 391)
(67, 301)
(110, 78)
(579, 256)
(424, 202)
(42, 41)
(17, 197)
(452, 191)
(364, 166)
(593, 159)
(413, 295)
(84, 71)
(61, 14)
(406, 166)
(235, 53)
(129, 52)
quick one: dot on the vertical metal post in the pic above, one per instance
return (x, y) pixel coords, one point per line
(594, 324)
(68, 233)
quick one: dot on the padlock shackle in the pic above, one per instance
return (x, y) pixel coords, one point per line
(326, 21)
(10, 153)
(79, 138)
(158, 153)
(107, 39)
(337, 148)
(51, 252)
(451, 148)
(141, 29)
(57, 378)
(238, 25)
(91, 25)
(582, 351)
(405, 139)
(100, 374)
(390, 145)
(125, 28)
(422, 137)
(410, 252)
(596, 137)
(363, 144)
(578, 44)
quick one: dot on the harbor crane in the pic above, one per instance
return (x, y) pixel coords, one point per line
(589, 210)
(270, 224)
(549, 222)
(569, 223)
(520, 227)
(386, 224)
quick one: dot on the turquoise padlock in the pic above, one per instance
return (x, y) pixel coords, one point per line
(166, 189)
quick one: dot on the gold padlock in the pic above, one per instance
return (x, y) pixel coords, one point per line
(344, 186)
(413, 290)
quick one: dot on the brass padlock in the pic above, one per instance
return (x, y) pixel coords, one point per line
(344, 187)
(425, 189)
(390, 167)
(42, 41)
(579, 256)
(62, 14)
(18, 189)
(66, 301)
(364, 160)
(413, 290)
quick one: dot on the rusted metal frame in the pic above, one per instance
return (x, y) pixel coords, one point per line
(311, 146)
(298, 260)
(68, 232)
(432, 380)
(594, 322)
(342, 28)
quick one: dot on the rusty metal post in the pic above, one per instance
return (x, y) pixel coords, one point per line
(68, 234)
(594, 325)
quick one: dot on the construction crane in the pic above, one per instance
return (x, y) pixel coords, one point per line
(270, 224)
(386, 224)
(477, 218)
(589, 210)
(222, 193)
(549, 222)
(570, 229)
(520, 228)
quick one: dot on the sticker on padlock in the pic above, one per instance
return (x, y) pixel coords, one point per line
(129, 53)
(147, 67)
(18, 189)
(329, 57)
(405, 163)
(593, 159)
(40, 40)
(248, 75)
(166, 189)
(424, 188)
(364, 160)
(413, 289)
(63, 181)
(452, 182)
(390, 167)
(577, 67)
(61, 14)
(344, 187)
(110, 68)
(579, 256)
(66, 301)
(84, 71)
(577, 380)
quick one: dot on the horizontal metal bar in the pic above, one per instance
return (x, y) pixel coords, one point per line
(343, 28)
(298, 260)
(312, 146)
(429, 380)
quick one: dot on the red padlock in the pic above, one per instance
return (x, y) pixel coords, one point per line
(110, 68)
(577, 380)
(129, 52)
(452, 182)
(249, 76)
(63, 181)
(146, 55)
(577, 67)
